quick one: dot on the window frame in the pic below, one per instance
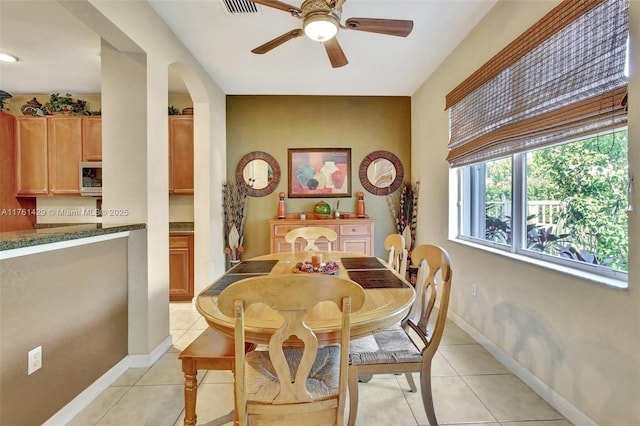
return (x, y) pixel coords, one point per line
(467, 196)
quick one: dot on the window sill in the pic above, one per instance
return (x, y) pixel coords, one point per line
(584, 275)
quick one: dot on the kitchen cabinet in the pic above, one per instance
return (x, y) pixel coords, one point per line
(181, 155)
(92, 138)
(354, 235)
(16, 213)
(180, 267)
(65, 154)
(32, 163)
(48, 154)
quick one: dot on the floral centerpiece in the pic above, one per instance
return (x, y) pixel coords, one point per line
(234, 201)
(404, 210)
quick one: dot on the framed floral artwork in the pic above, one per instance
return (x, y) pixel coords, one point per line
(319, 172)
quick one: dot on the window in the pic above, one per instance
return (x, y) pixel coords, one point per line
(574, 204)
(487, 193)
(537, 135)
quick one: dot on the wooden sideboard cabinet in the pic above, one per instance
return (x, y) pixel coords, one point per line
(180, 267)
(354, 235)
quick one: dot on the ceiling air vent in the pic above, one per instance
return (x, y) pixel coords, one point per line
(235, 7)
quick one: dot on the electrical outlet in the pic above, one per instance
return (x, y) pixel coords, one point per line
(474, 289)
(35, 360)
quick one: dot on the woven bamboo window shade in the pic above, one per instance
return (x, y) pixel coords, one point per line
(561, 79)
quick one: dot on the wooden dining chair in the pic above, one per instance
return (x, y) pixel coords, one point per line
(392, 350)
(398, 254)
(419, 253)
(211, 350)
(285, 385)
(311, 234)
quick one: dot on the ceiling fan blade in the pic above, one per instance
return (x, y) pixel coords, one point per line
(278, 5)
(336, 55)
(394, 27)
(272, 44)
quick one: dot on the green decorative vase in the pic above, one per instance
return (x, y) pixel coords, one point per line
(322, 210)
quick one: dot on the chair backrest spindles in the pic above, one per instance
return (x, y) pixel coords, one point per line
(398, 253)
(292, 296)
(311, 234)
(434, 283)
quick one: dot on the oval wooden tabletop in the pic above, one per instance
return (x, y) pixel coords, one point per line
(384, 306)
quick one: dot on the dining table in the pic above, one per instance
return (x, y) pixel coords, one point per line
(389, 296)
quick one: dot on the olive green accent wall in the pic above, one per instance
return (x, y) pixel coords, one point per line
(275, 123)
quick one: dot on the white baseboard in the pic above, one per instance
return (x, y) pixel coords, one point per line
(83, 399)
(147, 360)
(563, 406)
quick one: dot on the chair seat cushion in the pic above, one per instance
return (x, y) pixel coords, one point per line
(323, 380)
(389, 346)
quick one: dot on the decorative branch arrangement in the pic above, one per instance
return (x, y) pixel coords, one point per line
(403, 206)
(234, 201)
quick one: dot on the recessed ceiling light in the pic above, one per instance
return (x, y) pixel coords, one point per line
(5, 57)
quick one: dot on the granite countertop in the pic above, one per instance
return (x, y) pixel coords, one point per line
(180, 227)
(46, 235)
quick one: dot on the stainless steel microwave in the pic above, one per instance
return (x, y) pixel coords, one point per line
(91, 178)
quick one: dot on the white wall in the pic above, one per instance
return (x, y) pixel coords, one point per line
(67, 210)
(137, 51)
(181, 208)
(578, 340)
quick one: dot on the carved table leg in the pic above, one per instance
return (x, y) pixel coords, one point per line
(190, 391)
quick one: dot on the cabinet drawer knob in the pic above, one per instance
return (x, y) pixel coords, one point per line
(354, 230)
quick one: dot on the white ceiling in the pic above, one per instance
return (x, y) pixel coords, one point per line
(58, 53)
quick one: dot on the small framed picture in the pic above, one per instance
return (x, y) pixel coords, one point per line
(319, 172)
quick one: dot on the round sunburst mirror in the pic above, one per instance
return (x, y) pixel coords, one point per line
(260, 172)
(381, 173)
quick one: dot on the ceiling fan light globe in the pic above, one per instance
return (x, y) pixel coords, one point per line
(320, 27)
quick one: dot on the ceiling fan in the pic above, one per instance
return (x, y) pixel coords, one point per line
(321, 22)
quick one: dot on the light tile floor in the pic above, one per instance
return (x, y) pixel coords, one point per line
(470, 388)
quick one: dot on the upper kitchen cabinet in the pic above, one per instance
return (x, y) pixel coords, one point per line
(32, 163)
(9, 203)
(48, 154)
(65, 154)
(180, 155)
(92, 138)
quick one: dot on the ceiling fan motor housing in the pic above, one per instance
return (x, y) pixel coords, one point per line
(318, 6)
(320, 21)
